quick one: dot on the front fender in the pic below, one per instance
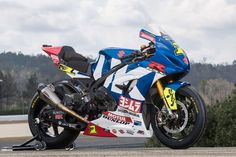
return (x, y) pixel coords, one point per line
(169, 93)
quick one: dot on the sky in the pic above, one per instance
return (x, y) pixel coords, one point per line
(205, 29)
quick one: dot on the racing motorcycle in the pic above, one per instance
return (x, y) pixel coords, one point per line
(124, 93)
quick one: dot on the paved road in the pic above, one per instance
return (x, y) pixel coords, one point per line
(97, 146)
(128, 152)
(90, 142)
(107, 147)
(15, 118)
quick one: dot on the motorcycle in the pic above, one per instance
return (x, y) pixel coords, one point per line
(124, 93)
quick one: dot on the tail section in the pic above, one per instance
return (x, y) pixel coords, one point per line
(53, 52)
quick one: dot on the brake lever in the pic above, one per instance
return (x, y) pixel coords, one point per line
(148, 52)
(140, 58)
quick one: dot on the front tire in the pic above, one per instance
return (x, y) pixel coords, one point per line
(188, 128)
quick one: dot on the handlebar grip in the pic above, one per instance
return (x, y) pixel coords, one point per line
(136, 54)
(128, 56)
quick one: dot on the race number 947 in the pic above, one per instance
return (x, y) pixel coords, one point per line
(130, 104)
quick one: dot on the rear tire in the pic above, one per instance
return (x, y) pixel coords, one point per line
(192, 110)
(62, 140)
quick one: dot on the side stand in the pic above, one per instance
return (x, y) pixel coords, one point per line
(38, 145)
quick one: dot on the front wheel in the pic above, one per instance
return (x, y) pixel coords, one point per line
(188, 126)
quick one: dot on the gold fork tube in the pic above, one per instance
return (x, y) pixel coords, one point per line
(160, 90)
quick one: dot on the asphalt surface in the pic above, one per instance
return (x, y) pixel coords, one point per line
(107, 147)
(128, 152)
(86, 146)
(89, 142)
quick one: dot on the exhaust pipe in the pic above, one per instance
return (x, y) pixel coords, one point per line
(47, 93)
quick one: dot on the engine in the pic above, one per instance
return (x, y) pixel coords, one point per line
(104, 101)
(86, 105)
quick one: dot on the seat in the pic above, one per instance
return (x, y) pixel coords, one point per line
(74, 60)
(67, 53)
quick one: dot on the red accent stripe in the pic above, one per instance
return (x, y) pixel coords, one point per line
(148, 37)
(52, 50)
(157, 66)
(99, 131)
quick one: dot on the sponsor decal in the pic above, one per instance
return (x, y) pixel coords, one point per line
(59, 116)
(127, 112)
(169, 95)
(92, 129)
(117, 118)
(137, 123)
(185, 60)
(95, 130)
(178, 50)
(131, 132)
(147, 36)
(154, 70)
(140, 132)
(55, 59)
(66, 69)
(121, 131)
(121, 54)
(34, 102)
(114, 131)
(130, 104)
(157, 66)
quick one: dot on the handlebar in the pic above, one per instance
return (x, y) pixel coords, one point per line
(132, 55)
(139, 55)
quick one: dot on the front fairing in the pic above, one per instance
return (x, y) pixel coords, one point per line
(169, 54)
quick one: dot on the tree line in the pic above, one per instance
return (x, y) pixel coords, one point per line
(20, 75)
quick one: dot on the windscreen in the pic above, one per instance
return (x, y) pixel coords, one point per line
(162, 39)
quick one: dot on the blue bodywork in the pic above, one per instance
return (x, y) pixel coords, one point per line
(110, 53)
(177, 84)
(169, 55)
(165, 55)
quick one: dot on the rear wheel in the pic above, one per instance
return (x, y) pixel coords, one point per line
(53, 135)
(188, 126)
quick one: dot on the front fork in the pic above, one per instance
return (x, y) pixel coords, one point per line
(168, 97)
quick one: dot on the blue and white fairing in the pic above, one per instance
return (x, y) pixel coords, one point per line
(130, 103)
(169, 59)
(167, 53)
(141, 76)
